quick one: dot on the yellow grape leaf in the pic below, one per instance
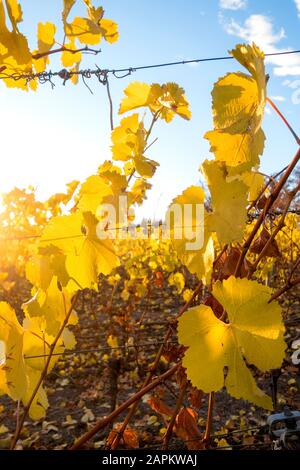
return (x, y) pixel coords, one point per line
(86, 255)
(41, 268)
(238, 106)
(129, 142)
(166, 100)
(229, 201)
(36, 345)
(95, 14)
(251, 57)
(254, 334)
(13, 379)
(84, 30)
(52, 306)
(14, 12)
(177, 280)
(112, 341)
(145, 167)
(45, 35)
(68, 5)
(68, 338)
(138, 191)
(68, 58)
(239, 151)
(137, 95)
(40, 402)
(255, 182)
(169, 99)
(188, 230)
(12, 43)
(187, 294)
(90, 33)
(93, 192)
(113, 175)
(129, 139)
(19, 370)
(109, 30)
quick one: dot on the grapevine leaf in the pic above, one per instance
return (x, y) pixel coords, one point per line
(45, 34)
(164, 100)
(13, 379)
(86, 255)
(254, 334)
(238, 106)
(229, 201)
(137, 95)
(52, 305)
(188, 228)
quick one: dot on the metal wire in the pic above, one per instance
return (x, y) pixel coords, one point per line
(108, 348)
(101, 74)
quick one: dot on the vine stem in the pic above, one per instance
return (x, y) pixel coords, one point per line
(169, 431)
(297, 139)
(43, 373)
(64, 49)
(207, 435)
(261, 192)
(105, 421)
(289, 285)
(111, 116)
(154, 119)
(148, 379)
(277, 229)
(269, 203)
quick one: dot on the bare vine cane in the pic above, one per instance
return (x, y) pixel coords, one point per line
(268, 204)
(102, 423)
(138, 395)
(179, 402)
(132, 411)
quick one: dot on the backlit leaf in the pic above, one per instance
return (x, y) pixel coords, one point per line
(254, 333)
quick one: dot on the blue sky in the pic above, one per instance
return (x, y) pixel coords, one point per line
(50, 137)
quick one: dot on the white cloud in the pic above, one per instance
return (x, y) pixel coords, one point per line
(233, 4)
(260, 29)
(257, 28)
(297, 2)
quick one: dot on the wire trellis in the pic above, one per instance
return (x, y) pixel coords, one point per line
(102, 74)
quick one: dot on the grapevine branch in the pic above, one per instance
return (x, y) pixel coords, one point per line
(266, 185)
(269, 203)
(137, 396)
(207, 435)
(43, 373)
(289, 285)
(279, 226)
(296, 137)
(86, 49)
(169, 431)
(132, 410)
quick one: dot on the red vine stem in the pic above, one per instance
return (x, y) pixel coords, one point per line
(39, 55)
(297, 139)
(105, 421)
(289, 285)
(169, 431)
(207, 435)
(269, 203)
(132, 410)
(277, 229)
